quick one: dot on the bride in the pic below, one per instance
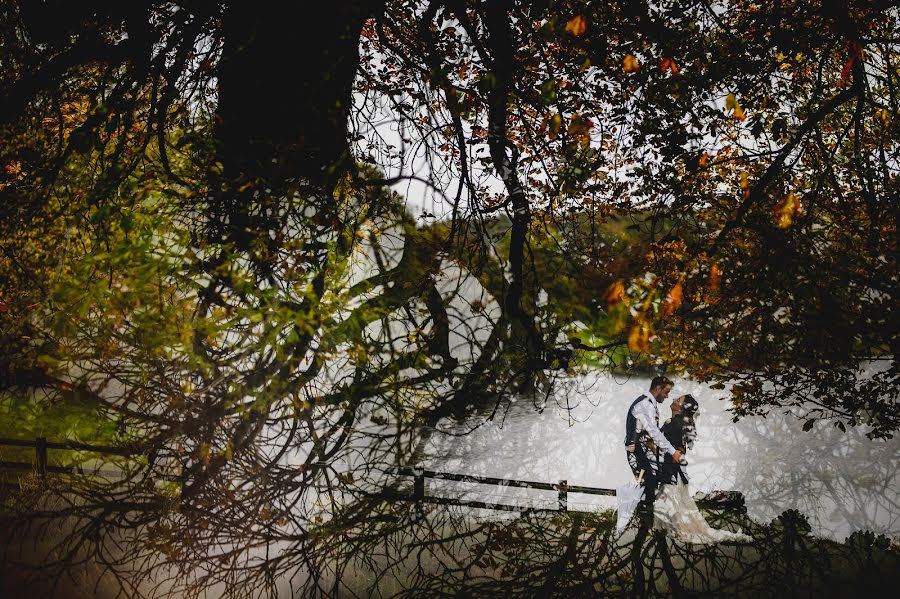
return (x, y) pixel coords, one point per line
(675, 510)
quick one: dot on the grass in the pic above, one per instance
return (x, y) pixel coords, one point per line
(28, 417)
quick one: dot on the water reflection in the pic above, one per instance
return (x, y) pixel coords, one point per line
(445, 552)
(843, 481)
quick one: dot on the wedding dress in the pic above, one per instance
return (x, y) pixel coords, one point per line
(676, 512)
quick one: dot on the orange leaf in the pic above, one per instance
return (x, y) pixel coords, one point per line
(856, 53)
(744, 184)
(577, 25)
(615, 294)
(673, 300)
(714, 276)
(786, 210)
(704, 159)
(667, 64)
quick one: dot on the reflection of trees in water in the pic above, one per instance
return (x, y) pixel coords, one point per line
(445, 553)
(406, 550)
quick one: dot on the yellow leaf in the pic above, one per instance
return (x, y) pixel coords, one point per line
(555, 125)
(786, 210)
(203, 453)
(639, 337)
(630, 64)
(577, 25)
(731, 104)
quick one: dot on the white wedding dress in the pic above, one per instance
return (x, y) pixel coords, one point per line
(676, 512)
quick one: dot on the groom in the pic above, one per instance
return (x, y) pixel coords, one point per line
(643, 439)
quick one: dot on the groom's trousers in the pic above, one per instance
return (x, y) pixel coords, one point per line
(640, 460)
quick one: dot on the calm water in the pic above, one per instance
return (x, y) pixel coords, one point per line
(842, 481)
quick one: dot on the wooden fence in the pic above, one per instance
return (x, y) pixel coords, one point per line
(41, 464)
(42, 467)
(562, 488)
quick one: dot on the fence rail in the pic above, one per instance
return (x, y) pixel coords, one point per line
(563, 488)
(41, 463)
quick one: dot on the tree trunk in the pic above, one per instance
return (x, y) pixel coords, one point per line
(285, 88)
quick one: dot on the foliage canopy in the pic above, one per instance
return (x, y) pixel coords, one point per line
(197, 234)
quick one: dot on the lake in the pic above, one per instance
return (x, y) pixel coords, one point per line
(842, 481)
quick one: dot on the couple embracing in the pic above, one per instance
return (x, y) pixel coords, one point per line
(659, 453)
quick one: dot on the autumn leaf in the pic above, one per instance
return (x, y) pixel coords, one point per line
(204, 453)
(673, 300)
(630, 64)
(667, 64)
(856, 53)
(577, 25)
(714, 276)
(615, 294)
(732, 104)
(786, 210)
(704, 159)
(845, 74)
(639, 337)
(554, 125)
(744, 184)
(580, 129)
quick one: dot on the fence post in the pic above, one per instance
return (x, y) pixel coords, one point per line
(563, 487)
(40, 450)
(419, 482)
